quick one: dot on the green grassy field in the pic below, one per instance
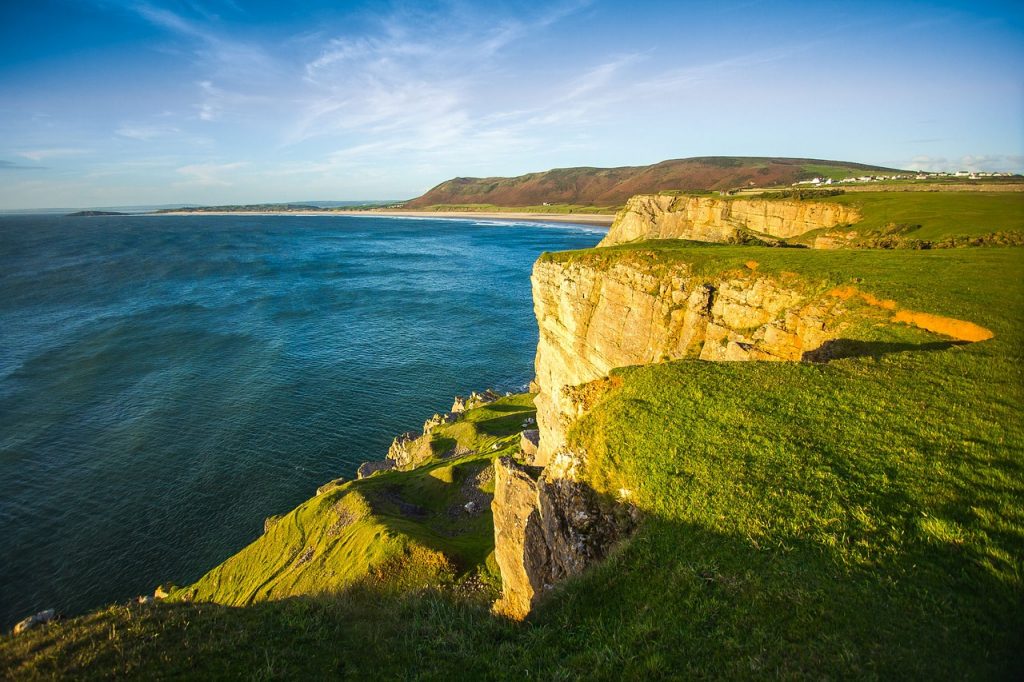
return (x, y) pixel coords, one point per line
(937, 215)
(861, 519)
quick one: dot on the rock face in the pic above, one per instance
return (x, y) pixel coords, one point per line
(594, 318)
(367, 469)
(529, 439)
(712, 219)
(546, 529)
(406, 449)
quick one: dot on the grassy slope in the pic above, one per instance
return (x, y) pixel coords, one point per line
(858, 519)
(390, 523)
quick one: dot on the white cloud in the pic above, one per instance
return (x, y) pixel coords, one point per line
(145, 132)
(59, 152)
(969, 162)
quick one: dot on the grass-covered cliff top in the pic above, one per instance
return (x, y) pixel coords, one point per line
(864, 518)
(941, 281)
(858, 519)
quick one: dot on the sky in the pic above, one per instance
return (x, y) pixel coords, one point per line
(118, 102)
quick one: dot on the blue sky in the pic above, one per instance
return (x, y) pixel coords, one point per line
(110, 102)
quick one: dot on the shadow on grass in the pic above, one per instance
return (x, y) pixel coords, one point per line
(677, 601)
(839, 349)
(493, 407)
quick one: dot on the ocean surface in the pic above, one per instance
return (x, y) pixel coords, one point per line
(166, 382)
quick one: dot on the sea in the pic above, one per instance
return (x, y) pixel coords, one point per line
(167, 382)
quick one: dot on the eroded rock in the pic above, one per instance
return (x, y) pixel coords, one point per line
(713, 219)
(330, 485)
(529, 439)
(594, 318)
(35, 620)
(546, 529)
(367, 469)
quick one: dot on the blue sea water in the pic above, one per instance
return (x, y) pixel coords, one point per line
(166, 382)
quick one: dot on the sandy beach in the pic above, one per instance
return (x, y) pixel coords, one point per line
(600, 219)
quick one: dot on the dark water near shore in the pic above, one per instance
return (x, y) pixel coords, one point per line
(168, 382)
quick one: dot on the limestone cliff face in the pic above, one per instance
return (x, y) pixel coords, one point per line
(711, 219)
(593, 319)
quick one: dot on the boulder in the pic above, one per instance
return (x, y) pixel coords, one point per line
(330, 485)
(32, 621)
(270, 522)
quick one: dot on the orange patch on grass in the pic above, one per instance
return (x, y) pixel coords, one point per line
(752, 264)
(961, 330)
(958, 329)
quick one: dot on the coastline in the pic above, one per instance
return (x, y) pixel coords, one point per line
(598, 219)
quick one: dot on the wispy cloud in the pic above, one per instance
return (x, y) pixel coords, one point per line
(419, 85)
(146, 132)
(11, 165)
(58, 152)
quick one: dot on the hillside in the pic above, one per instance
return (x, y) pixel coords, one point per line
(859, 517)
(611, 187)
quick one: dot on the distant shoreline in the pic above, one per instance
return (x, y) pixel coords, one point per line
(598, 219)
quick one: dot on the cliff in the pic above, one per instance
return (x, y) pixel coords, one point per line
(784, 519)
(613, 186)
(712, 219)
(594, 317)
(596, 314)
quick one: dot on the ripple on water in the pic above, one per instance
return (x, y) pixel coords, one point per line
(168, 382)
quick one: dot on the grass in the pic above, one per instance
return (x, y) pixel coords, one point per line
(405, 526)
(860, 519)
(937, 215)
(863, 517)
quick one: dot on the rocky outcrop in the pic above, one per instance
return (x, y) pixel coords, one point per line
(593, 318)
(407, 449)
(547, 528)
(367, 469)
(331, 485)
(474, 401)
(34, 620)
(529, 440)
(714, 219)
